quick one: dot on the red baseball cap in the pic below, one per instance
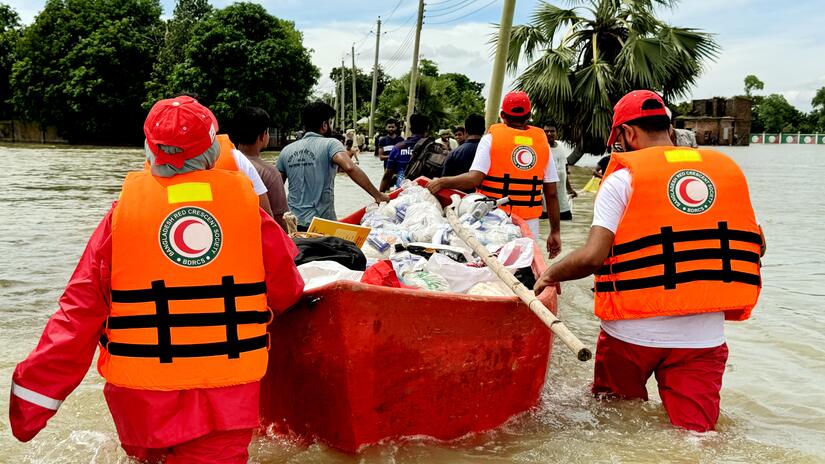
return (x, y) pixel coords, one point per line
(516, 103)
(178, 129)
(636, 104)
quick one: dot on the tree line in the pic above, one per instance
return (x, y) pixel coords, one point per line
(92, 68)
(773, 113)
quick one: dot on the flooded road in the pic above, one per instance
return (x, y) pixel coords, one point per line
(773, 398)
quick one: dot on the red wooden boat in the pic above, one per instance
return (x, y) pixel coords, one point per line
(354, 364)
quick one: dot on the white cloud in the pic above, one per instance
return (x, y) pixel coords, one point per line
(786, 66)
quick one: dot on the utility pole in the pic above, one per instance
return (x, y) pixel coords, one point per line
(414, 71)
(374, 98)
(354, 103)
(335, 94)
(497, 79)
(343, 100)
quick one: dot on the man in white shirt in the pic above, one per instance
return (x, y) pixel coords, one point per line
(560, 152)
(685, 346)
(521, 153)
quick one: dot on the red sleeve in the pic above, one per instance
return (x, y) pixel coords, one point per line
(284, 285)
(66, 348)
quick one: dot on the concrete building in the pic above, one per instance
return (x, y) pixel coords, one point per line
(719, 121)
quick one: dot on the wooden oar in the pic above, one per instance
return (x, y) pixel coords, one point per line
(527, 296)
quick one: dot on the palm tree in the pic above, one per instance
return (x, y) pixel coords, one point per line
(584, 58)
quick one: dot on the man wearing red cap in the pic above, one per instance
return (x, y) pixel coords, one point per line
(513, 160)
(675, 248)
(176, 286)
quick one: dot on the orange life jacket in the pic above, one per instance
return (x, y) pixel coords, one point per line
(189, 306)
(688, 242)
(226, 160)
(518, 159)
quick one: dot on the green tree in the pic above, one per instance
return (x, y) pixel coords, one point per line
(752, 83)
(445, 98)
(363, 88)
(775, 114)
(684, 108)
(9, 36)
(817, 116)
(83, 65)
(583, 59)
(241, 55)
(178, 33)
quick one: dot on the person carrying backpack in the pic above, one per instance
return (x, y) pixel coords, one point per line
(418, 155)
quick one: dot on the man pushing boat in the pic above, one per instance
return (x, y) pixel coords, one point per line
(675, 249)
(513, 160)
(177, 285)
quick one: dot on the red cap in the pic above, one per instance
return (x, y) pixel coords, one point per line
(178, 129)
(516, 103)
(630, 108)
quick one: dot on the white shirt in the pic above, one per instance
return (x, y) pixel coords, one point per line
(560, 153)
(450, 144)
(705, 330)
(246, 167)
(482, 161)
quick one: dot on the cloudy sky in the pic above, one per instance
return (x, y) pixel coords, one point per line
(783, 43)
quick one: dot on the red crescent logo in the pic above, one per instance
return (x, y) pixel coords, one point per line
(521, 159)
(684, 193)
(180, 242)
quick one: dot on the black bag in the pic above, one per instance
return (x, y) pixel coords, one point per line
(330, 249)
(427, 159)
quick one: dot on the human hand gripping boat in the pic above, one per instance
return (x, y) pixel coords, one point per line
(355, 364)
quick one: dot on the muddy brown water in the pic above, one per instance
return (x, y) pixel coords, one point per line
(773, 399)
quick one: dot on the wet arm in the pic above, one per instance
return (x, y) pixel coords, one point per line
(466, 182)
(263, 200)
(551, 197)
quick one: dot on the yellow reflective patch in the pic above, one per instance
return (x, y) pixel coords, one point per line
(682, 156)
(523, 140)
(189, 191)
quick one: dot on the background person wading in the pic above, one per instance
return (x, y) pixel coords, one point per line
(514, 160)
(309, 166)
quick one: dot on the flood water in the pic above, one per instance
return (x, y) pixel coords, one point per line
(773, 398)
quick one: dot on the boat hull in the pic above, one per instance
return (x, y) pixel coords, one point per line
(354, 364)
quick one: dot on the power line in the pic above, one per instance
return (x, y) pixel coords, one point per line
(441, 3)
(399, 52)
(387, 17)
(448, 21)
(452, 7)
(404, 23)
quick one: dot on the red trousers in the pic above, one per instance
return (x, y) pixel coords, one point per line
(223, 447)
(689, 379)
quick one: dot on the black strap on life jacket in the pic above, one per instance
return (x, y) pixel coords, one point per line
(533, 192)
(669, 278)
(163, 321)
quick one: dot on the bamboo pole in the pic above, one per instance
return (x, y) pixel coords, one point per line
(527, 296)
